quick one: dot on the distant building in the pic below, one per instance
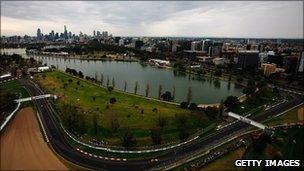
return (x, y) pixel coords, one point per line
(44, 68)
(194, 45)
(206, 44)
(138, 44)
(219, 61)
(300, 68)
(290, 64)
(268, 69)
(39, 34)
(121, 42)
(216, 49)
(248, 60)
(277, 59)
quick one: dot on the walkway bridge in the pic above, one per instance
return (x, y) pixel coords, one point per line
(251, 122)
(35, 98)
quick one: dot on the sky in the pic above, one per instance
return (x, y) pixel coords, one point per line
(249, 19)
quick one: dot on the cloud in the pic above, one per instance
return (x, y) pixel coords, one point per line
(133, 18)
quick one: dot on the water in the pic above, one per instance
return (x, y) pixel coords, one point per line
(204, 89)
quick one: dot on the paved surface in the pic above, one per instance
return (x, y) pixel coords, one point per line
(22, 145)
(61, 146)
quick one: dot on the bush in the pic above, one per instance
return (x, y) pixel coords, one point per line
(110, 88)
(193, 106)
(184, 105)
(112, 100)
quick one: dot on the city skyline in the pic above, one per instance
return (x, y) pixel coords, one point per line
(191, 19)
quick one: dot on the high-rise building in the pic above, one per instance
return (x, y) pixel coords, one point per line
(248, 60)
(290, 64)
(301, 63)
(65, 33)
(94, 33)
(194, 45)
(216, 49)
(39, 34)
(206, 44)
(268, 69)
(105, 34)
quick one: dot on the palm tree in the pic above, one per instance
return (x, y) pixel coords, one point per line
(125, 87)
(189, 95)
(101, 79)
(147, 90)
(108, 81)
(173, 93)
(136, 87)
(113, 83)
(159, 91)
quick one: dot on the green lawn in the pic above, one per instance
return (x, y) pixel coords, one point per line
(15, 87)
(287, 117)
(254, 105)
(288, 144)
(127, 110)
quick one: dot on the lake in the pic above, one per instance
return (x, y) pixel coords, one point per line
(204, 89)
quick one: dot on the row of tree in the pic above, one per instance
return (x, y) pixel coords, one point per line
(166, 96)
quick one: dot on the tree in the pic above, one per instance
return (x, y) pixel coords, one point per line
(221, 109)
(161, 122)
(108, 81)
(173, 93)
(231, 101)
(167, 96)
(189, 95)
(101, 79)
(249, 90)
(128, 139)
(136, 87)
(250, 83)
(182, 126)
(110, 89)
(125, 87)
(78, 82)
(156, 135)
(193, 106)
(95, 123)
(239, 79)
(184, 105)
(114, 123)
(73, 118)
(113, 83)
(112, 100)
(275, 90)
(80, 74)
(159, 91)
(147, 90)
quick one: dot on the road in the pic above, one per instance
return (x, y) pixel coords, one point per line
(59, 142)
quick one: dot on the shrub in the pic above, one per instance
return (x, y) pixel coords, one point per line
(193, 106)
(184, 105)
(112, 100)
(110, 88)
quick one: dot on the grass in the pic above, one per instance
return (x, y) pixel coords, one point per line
(15, 87)
(287, 117)
(128, 109)
(256, 104)
(287, 145)
(227, 161)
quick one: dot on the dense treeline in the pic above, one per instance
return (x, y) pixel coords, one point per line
(95, 46)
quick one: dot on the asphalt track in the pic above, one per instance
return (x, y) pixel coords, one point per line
(59, 142)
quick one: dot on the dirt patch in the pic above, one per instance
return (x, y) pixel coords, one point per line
(23, 147)
(301, 114)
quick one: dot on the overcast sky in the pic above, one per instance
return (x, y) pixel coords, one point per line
(132, 18)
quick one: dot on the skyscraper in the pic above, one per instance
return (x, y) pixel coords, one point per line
(248, 59)
(65, 33)
(39, 34)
